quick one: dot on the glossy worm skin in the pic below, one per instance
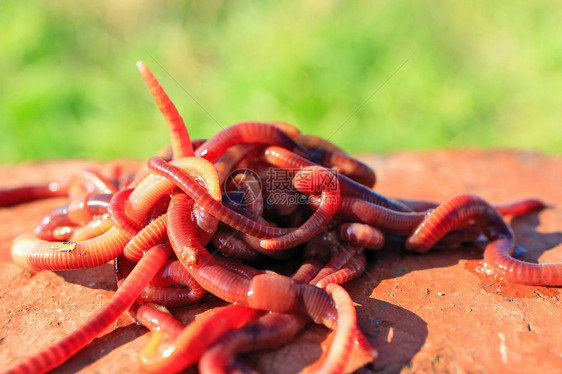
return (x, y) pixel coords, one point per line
(157, 318)
(342, 256)
(116, 210)
(314, 141)
(311, 180)
(247, 132)
(149, 236)
(194, 339)
(120, 301)
(156, 224)
(346, 165)
(18, 195)
(269, 331)
(158, 290)
(231, 245)
(352, 269)
(224, 283)
(338, 352)
(88, 205)
(35, 254)
(362, 235)
(463, 209)
(181, 144)
(198, 193)
(282, 158)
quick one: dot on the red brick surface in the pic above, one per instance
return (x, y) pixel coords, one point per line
(424, 313)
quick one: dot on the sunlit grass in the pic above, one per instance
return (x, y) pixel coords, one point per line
(478, 74)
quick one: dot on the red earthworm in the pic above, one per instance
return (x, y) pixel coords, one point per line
(199, 194)
(499, 256)
(158, 290)
(290, 130)
(463, 209)
(348, 166)
(172, 273)
(196, 143)
(36, 254)
(362, 235)
(516, 208)
(121, 221)
(78, 212)
(227, 285)
(317, 253)
(236, 266)
(339, 350)
(18, 195)
(252, 241)
(154, 188)
(343, 255)
(465, 234)
(62, 233)
(307, 270)
(521, 207)
(419, 205)
(151, 189)
(159, 208)
(231, 245)
(56, 354)
(359, 210)
(144, 171)
(457, 212)
(96, 204)
(149, 236)
(206, 223)
(157, 318)
(352, 269)
(232, 157)
(193, 223)
(311, 180)
(171, 297)
(195, 338)
(90, 180)
(181, 144)
(315, 141)
(269, 331)
(251, 187)
(283, 158)
(247, 132)
(95, 227)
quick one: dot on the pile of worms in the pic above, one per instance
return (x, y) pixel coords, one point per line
(216, 216)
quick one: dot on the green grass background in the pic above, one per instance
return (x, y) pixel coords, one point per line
(474, 73)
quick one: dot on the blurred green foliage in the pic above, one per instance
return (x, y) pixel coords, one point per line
(373, 76)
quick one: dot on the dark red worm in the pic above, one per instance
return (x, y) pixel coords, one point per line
(345, 165)
(95, 204)
(153, 213)
(224, 283)
(157, 318)
(120, 301)
(199, 194)
(18, 195)
(352, 269)
(362, 235)
(269, 331)
(181, 144)
(119, 218)
(464, 209)
(283, 158)
(311, 180)
(244, 133)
